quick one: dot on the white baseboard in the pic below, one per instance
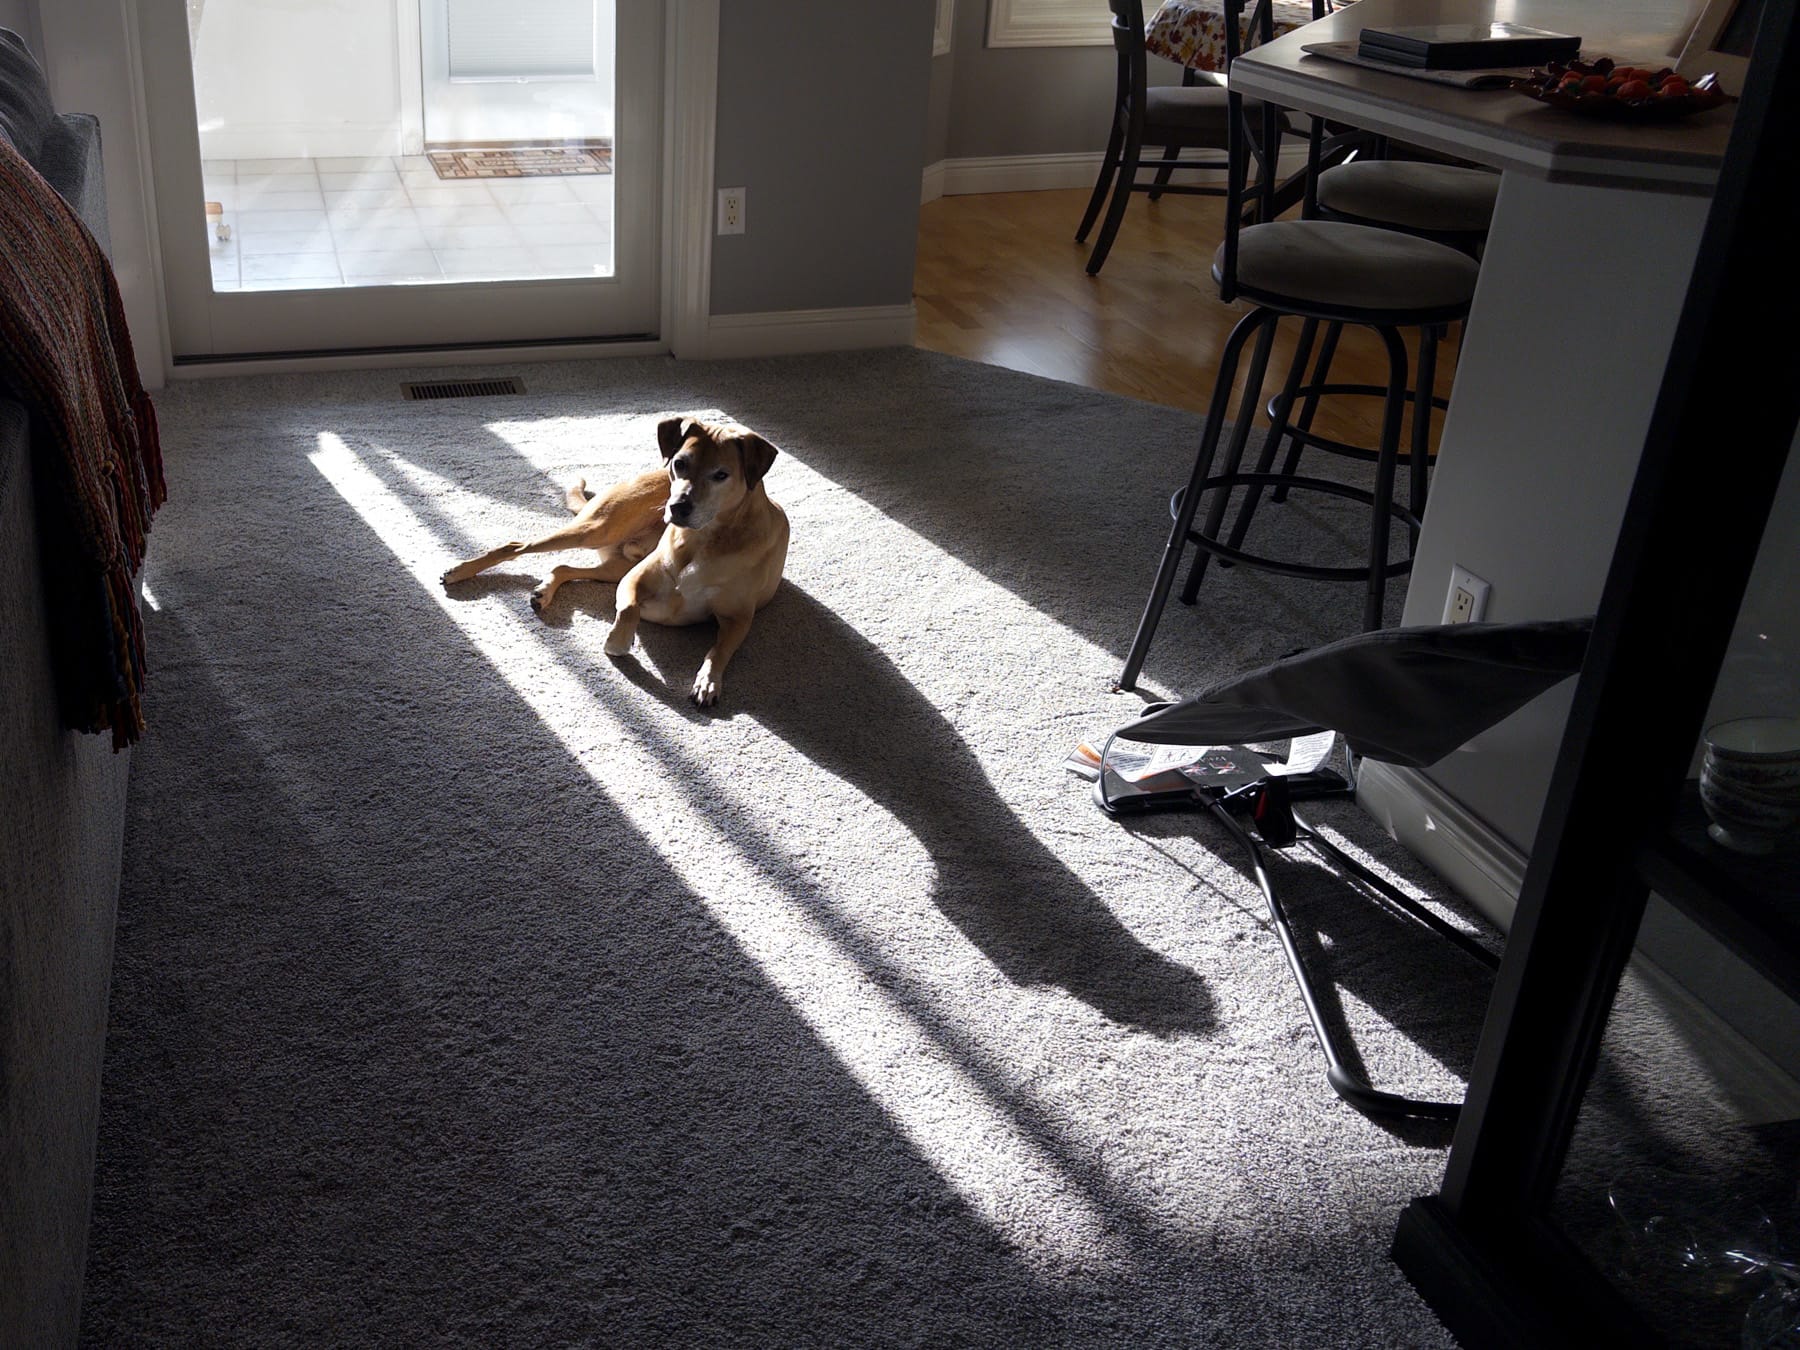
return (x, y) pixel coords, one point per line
(425, 360)
(931, 185)
(1014, 173)
(777, 333)
(1047, 173)
(792, 332)
(1445, 835)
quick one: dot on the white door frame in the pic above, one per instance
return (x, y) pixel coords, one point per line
(94, 60)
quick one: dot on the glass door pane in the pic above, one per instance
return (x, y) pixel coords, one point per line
(364, 169)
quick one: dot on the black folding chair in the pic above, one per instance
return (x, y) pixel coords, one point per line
(1405, 696)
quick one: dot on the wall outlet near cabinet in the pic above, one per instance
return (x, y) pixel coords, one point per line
(1467, 601)
(731, 210)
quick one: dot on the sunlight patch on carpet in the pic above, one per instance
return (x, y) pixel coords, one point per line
(1017, 1186)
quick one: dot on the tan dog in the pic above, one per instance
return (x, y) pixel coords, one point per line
(697, 539)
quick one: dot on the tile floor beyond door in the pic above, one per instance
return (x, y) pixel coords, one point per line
(307, 224)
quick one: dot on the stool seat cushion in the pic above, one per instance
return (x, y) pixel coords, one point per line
(1326, 264)
(1447, 198)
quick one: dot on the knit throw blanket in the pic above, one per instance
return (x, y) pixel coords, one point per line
(65, 353)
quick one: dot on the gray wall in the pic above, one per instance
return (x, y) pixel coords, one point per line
(1021, 99)
(1535, 509)
(937, 107)
(21, 17)
(1024, 100)
(822, 113)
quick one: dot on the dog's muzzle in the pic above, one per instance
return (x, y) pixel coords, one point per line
(680, 510)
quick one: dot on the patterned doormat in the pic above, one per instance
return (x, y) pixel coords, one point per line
(544, 161)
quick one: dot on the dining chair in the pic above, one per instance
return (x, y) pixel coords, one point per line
(1320, 272)
(1172, 119)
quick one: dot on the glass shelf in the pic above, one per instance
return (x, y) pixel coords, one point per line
(1750, 902)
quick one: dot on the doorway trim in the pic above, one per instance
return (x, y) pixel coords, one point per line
(94, 59)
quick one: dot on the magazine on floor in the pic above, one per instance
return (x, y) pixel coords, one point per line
(1142, 776)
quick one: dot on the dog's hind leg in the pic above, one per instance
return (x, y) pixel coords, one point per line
(576, 534)
(617, 516)
(578, 496)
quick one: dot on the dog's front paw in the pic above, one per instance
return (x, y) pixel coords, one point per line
(706, 687)
(617, 643)
(541, 597)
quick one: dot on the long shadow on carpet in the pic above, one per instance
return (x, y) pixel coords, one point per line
(848, 710)
(426, 1098)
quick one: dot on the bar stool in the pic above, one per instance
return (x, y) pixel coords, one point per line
(1321, 272)
(1450, 203)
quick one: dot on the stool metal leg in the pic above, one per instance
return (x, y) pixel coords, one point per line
(1309, 406)
(1421, 431)
(1234, 457)
(1190, 500)
(1278, 419)
(1379, 518)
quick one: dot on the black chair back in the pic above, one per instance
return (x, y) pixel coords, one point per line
(1128, 43)
(1255, 138)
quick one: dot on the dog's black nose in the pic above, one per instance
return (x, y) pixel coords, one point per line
(680, 510)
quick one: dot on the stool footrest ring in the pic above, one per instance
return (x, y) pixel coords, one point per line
(1225, 552)
(1319, 441)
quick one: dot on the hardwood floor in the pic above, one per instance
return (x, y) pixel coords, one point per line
(1001, 279)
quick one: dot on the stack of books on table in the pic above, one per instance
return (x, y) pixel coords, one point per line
(1466, 46)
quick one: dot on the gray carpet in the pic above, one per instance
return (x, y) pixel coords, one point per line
(472, 987)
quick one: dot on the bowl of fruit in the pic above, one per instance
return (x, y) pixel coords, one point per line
(1606, 88)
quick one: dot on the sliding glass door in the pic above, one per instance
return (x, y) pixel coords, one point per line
(349, 175)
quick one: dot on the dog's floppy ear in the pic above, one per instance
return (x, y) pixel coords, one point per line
(758, 456)
(672, 433)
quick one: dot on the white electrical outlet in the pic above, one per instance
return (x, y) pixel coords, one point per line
(731, 210)
(1467, 601)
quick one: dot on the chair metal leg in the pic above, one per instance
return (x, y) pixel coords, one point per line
(1190, 499)
(1333, 1041)
(1284, 404)
(1234, 458)
(1379, 519)
(1128, 172)
(1170, 154)
(1309, 407)
(1109, 166)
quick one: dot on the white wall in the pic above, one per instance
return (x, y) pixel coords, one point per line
(279, 80)
(276, 80)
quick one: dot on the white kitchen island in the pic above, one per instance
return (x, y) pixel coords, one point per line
(1586, 268)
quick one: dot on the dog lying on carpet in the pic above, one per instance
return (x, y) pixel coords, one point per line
(696, 539)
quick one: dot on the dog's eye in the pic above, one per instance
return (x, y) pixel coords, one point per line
(720, 475)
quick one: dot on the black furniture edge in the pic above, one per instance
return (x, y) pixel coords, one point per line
(1662, 629)
(1509, 1302)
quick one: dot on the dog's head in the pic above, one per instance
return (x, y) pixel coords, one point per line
(712, 467)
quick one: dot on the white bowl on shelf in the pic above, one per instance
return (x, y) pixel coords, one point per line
(1750, 781)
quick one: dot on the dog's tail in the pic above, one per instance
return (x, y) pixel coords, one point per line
(578, 495)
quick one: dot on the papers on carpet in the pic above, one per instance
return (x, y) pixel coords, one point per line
(1157, 768)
